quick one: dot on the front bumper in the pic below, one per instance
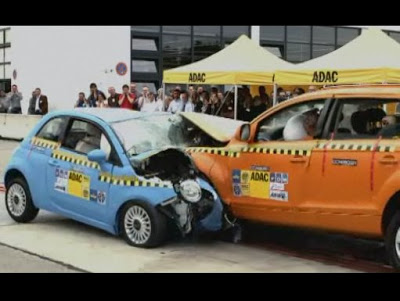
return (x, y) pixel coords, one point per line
(213, 221)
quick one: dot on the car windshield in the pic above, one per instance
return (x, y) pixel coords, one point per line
(152, 132)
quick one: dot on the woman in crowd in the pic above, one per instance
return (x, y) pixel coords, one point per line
(160, 100)
(102, 101)
(228, 107)
(197, 103)
(206, 103)
(258, 107)
(151, 105)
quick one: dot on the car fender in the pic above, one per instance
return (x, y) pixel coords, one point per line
(122, 195)
(387, 190)
(18, 164)
(213, 221)
(204, 162)
(221, 179)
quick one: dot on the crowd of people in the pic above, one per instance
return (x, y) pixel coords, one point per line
(11, 102)
(195, 99)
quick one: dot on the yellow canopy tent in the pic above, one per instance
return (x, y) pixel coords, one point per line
(244, 62)
(372, 57)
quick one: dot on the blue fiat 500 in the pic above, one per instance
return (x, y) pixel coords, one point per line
(121, 171)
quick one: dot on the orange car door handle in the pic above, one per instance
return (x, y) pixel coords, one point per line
(298, 160)
(388, 160)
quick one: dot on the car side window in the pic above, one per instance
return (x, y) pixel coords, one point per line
(291, 123)
(52, 129)
(84, 137)
(367, 119)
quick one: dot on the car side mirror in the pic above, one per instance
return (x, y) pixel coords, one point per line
(97, 155)
(243, 133)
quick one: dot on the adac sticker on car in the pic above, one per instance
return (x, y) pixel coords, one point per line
(278, 183)
(253, 183)
(79, 185)
(61, 183)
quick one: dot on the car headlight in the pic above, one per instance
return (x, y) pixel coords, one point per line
(190, 191)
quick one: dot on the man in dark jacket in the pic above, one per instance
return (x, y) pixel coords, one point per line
(113, 98)
(38, 104)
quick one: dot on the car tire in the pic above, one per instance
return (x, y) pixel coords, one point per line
(142, 225)
(19, 202)
(392, 241)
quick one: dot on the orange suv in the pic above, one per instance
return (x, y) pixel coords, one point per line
(325, 160)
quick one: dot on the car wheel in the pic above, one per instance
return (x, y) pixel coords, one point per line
(142, 225)
(19, 201)
(392, 241)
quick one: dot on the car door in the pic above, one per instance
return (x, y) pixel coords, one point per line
(46, 140)
(267, 177)
(347, 168)
(73, 180)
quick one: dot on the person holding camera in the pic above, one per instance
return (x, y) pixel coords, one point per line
(4, 102)
(15, 98)
(82, 102)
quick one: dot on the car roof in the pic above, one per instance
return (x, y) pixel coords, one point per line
(355, 90)
(340, 91)
(108, 115)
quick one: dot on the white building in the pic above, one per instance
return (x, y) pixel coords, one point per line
(64, 60)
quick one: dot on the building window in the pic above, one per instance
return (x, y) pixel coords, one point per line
(300, 34)
(320, 50)
(206, 41)
(7, 54)
(297, 53)
(176, 30)
(345, 35)
(2, 60)
(146, 29)
(7, 34)
(323, 35)
(144, 66)
(207, 31)
(276, 50)
(177, 51)
(5, 64)
(231, 33)
(395, 36)
(144, 44)
(150, 85)
(272, 33)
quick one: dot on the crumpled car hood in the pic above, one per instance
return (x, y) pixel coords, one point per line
(219, 128)
(146, 155)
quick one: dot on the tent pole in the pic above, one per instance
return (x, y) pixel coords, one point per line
(236, 102)
(275, 96)
(163, 93)
(223, 102)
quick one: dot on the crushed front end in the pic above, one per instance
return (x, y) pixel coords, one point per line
(196, 206)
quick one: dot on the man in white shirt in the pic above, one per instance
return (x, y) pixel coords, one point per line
(144, 98)
(151, 105)
(187, 105)
(160, 100)
(176, 104)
